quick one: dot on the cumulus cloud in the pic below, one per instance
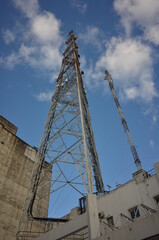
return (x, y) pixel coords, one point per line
(152, 34)
(44, 96)
(130, 64)
(82, 7)
(29, 8)
(40, 42)
(44, 57)
(46, 28)
(126, 56)
(8, 36)
(143, 13)
(94, 77)
(92, 36)
(129, 60)
(10, 61)
(27, 54)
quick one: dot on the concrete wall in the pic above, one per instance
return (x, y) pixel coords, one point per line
(16, 164)
(8, 125)
(140, 190)
(78, 224)
(134, 193)
(143, 228)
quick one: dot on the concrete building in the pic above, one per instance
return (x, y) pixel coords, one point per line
(16, 163)
(130, 212)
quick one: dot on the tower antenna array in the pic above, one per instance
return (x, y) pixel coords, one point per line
(124, 123)
(67, 160)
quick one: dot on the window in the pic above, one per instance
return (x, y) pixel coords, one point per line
(110, 220)
(134, 212)
(157, 199)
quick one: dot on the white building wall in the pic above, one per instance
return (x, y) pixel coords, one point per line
(143, 228)
(129, 195)
(140, 190)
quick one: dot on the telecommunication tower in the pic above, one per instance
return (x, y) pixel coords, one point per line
(124, 123)
(67, 159)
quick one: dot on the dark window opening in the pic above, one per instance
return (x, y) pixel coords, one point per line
(157, 199)
(134, 212)
(110, 220)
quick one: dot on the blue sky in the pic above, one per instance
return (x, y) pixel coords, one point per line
(120, 35)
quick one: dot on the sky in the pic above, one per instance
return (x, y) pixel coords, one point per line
(121, 36)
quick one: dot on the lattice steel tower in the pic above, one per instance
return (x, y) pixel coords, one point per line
(67, 158)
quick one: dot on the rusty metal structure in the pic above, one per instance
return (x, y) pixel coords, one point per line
(67, 145)
(124, 123)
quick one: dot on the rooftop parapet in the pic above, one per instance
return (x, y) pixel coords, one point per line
(8, 125)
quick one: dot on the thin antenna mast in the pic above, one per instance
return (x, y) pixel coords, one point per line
(124, 123)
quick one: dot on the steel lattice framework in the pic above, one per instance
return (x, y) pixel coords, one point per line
(124, 123)
(67, 156)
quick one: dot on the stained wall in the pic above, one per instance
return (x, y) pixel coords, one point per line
(16, 164)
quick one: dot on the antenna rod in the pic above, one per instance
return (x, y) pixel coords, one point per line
(124, 123)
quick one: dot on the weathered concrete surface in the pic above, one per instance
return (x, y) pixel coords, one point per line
(92, 214)
(140, 192)
(142, 228)
(8, 125)
(126, 196)
(16, 164)
(67, 229)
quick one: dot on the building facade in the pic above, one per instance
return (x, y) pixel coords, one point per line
(131, 207)
(129, 212)
(16, 163)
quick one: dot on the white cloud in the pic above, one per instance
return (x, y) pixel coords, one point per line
(51, 57)
(44, 96)
(154, 118)
(44, 57)
(152, 34)
(126, 57)
(29, 7)
(143, 13)
(40, 42)
(46, 28)
(94, 77)
(82, 61)
(82, 7)
(130, 63)
(152, 143)
(91, 36)
(27, 53)
(131, 92)
(10, 61)
(8, 36)
(152, 111)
